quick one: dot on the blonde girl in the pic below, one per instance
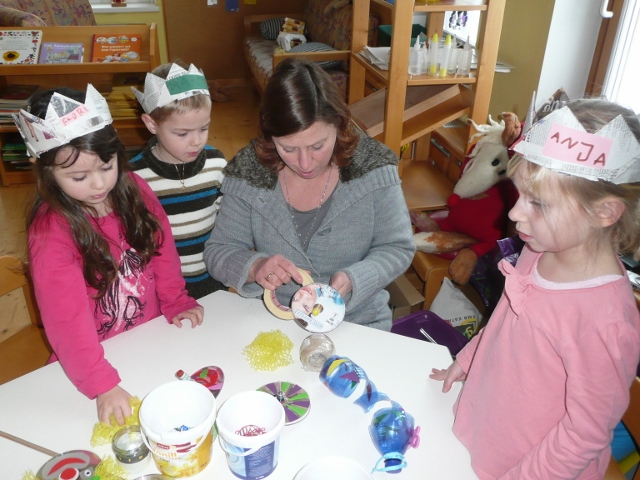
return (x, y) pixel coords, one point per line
(548, 379)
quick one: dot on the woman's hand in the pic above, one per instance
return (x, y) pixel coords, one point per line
(114, 401)
(342, 283)
(452, 374)
(194, 314)
(271, 272)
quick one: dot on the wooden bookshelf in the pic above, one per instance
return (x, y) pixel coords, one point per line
(475, 89)
(77, 75)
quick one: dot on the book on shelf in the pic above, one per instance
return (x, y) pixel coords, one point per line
(19, 46)
(14, 151)
(53, 52)
(116, 48)
(14, 97)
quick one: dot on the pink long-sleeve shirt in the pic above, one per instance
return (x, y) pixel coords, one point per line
(548, 378)
(75, 322)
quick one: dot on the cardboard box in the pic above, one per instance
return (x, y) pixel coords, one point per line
(403, 296)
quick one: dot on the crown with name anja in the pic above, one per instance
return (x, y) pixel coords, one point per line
(179, 84)
(560, 143)
(65, 120)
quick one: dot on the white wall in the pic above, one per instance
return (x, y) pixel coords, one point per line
(570, 45)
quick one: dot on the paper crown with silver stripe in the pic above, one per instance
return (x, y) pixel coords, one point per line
(65, 120)
(559, 142)
(179, 84)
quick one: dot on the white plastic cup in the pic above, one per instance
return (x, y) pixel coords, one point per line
(333, 468)
(177, 452)
(249, 427)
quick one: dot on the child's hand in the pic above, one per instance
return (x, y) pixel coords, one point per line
(452, 374)
(193, 314)
(114, 401)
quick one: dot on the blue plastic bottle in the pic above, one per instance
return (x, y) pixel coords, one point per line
(347, 380)
(393, 431)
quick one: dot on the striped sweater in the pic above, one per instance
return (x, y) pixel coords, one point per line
(191, 208)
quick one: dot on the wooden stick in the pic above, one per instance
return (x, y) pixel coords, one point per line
(28, 444)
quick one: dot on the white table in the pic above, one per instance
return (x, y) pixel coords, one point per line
(44, 408)
(16, 459)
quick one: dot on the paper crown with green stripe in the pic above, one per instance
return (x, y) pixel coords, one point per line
(65, 120)
(179, 84)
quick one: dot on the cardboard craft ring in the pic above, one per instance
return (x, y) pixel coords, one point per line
(275, 307)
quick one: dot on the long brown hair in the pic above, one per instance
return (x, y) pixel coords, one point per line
(299, 94)
(141, 229)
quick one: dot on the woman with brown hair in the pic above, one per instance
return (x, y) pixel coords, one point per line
(312, 193)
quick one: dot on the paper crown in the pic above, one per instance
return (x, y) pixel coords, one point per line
(179, 84)
(65, 120)
(560, 143)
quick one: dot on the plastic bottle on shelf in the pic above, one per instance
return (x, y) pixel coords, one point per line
(464, 59)
(433, 55)
(393, 431)
(415, 58)
(452, 64)
(444, 56)
(424, 55)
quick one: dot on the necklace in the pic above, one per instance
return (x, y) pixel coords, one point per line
(317, 209)
(180, 177)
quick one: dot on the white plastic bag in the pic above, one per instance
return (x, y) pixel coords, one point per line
(453, 306)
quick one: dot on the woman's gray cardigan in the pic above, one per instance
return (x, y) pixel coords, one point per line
(366, 232)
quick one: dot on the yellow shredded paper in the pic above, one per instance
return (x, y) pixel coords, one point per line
(269, 350)
(103, 433)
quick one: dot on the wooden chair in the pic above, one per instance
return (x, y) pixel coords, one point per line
(27, 349)
(631, 420)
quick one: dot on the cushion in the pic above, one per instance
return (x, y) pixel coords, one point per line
(270, 28)
(317, 47)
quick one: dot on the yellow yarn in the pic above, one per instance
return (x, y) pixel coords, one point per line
(103, 433)
(269, 350)
(110, 469)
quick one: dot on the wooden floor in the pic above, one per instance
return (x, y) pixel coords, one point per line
(233, 124)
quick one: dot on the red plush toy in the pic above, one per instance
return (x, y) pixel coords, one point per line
(479, 205)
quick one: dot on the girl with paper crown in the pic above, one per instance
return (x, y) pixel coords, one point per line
(548, 379)
(183, 171)
(101, 253)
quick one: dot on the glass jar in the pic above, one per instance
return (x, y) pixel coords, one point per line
(315, 351)
(130, 450)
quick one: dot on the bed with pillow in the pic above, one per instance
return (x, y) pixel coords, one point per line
(328, 41)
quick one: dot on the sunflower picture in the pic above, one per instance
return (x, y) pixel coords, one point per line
(11, 56)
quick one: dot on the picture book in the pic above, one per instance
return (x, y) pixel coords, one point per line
(116, 48)
(19, 46)
(51, 52)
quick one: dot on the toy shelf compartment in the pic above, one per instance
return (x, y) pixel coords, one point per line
(132, 131)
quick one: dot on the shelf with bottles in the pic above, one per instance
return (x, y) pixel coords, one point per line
(475, 88)
(414, 80)
(441, 5)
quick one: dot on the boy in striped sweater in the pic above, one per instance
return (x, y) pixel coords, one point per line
(183, 171)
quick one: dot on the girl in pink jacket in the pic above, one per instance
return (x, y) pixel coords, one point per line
(548, 379)
(101, 253)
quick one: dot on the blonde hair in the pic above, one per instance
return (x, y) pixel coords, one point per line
(182, 106)
(623, 235)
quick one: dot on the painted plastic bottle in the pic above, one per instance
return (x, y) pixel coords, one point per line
(393, 431)
(347, 380)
